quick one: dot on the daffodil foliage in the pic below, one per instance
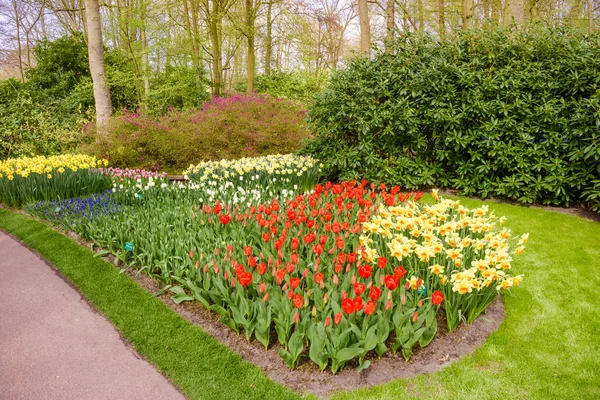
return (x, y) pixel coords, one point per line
(27, 179)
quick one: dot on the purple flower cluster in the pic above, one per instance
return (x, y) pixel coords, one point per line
(72, 210)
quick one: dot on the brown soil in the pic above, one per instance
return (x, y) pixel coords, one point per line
(443, 350)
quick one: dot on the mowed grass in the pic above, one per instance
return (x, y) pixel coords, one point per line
(547, 348)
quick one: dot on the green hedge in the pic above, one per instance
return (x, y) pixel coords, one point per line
(504, 113)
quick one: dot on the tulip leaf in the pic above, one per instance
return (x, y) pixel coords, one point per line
(348, 354)
(364, 365)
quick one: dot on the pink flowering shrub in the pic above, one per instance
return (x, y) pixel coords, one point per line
(225, 128)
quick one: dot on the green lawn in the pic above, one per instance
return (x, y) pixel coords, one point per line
(547, 348)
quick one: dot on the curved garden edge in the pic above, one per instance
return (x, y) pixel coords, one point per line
(445, 349)
(191, 359)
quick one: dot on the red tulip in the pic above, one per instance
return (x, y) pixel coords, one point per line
(437, 297)
(399, 272)
(245, 278)
(391, 281)
(262, 287)
(336, 227)
(370, 307)
(319, 277)
(309, 238)
(352, 258)
(365, 271)
(266, 236)
(225, 219)
(388, 305)
(328, 321)
(347, 306)
(295, 243)
(338, 318)
(338, 268)
(294, 282)
(297, 317)
(295, 258)
(248, 251)
(357, 303)
(279, 275)
(298, 301)
(382, 262)
(415, 316)
(289, 267)
(359, 288)
(374, 293)
(261, 268)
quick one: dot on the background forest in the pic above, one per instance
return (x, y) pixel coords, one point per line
(392, 90)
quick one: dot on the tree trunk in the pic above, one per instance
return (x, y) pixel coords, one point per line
(365, 32)
(145, 62)
(114, 31)
(590, 15)
(496, 11)
(390, 23)
(467, 13)
(96, 61)
(123, 26)
(442, 18)
(269, 39)
(516, 11)
(145, 51)
(215, 36)
(43, 22)
(421, 14)
(168, 48)
(195, 37)
(19, 47)
(250, 68)
(404, 17)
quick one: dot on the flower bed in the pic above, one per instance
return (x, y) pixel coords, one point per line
(273, 174)
(335, 273)
(27, 179)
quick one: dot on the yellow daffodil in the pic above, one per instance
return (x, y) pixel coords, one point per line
(436, 269)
